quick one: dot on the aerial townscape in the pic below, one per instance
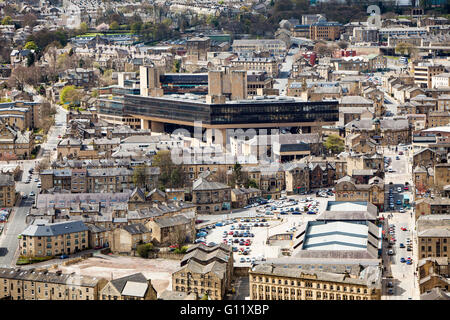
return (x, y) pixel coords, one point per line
(224, 150)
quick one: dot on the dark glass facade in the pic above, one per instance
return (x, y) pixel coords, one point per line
(111, 106)
(263, 111)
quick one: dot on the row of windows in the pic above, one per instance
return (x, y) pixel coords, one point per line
(307, 284)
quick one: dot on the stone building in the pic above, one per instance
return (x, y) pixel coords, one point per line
(433, 235)
(7, 191)
(44, 239)
(211, 197)
(348, 190)
(132, 287)
(293, 282)
(31, 284)
(205, 270)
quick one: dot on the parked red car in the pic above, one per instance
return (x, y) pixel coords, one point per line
(403, 229)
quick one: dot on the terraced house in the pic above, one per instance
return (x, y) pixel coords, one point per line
(49, 239)
(30, 284)
(84, 180)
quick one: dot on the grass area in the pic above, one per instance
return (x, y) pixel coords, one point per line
(30, 260)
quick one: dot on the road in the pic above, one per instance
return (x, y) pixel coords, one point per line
(286, 67)
(15, 226)
(403, 278)
(9, 242)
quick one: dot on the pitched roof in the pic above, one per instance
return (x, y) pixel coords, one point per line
(54, 229)
(202, 184)
(120, 283)
(136, 228)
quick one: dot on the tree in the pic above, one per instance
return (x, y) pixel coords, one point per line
(114, 26)
(334, 143)
(236, 177)
(323, 49)
(70, 95)
(43, 165)
(31, 45)
(7, 21)
(251, 184)
(21, 75)
(343, 45)
(176, 66)
(83, 28)
(106, 79)
(29, 20)
(139, 177)
(171, 175)
(144, 249)
(136, 27)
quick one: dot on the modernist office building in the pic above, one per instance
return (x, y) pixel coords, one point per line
(226, 106)
(273, 112)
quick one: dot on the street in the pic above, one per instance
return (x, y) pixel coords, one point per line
(286, 67)
(9, 242)
(404, 282)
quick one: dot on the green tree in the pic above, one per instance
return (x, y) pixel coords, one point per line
(171, 175)
(30, 59)
(31, 45)
(71, 95)
(144, 249)
(176, 66)
(205, 297)
(83, 28)
(136, 27)
(236, 177)
(114, 26)
(139, 176)
(251, 184)
(7, 20)
(334, 143)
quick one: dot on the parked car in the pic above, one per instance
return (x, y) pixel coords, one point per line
(63, 256)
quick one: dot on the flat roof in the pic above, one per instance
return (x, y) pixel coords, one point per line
(346, 206)
(336, 235)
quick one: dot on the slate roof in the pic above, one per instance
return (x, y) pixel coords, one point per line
(137, 228)
(120, 283)
(54, 229)
(202, 184)
(6, 180)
